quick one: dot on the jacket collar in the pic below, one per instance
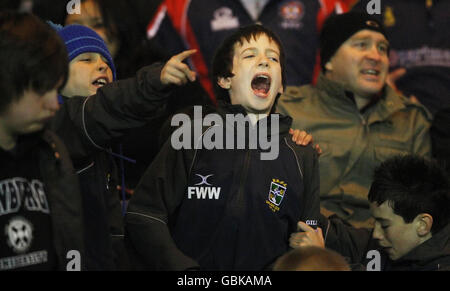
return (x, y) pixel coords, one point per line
(284, 121)
(428, 253)
(25, 143)
(387, 103)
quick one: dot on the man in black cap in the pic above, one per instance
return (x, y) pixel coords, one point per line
(357, 119)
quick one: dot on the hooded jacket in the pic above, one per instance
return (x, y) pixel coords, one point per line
(222, 209)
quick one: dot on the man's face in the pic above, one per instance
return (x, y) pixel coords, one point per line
(257, 75)
(87, 73)
(393, 234)
(29, 113)
(361, 63)
(91, 17)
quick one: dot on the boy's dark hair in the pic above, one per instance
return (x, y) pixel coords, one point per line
(413, 185)
(32, 56)
(223, 59)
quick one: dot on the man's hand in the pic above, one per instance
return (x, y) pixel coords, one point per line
(309, 236)
(303, 138)
(176, 72)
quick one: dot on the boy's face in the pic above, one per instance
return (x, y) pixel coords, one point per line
(256, 77)
(393, 234)
(91, 17)
(87, 73)
(361, 63)
(29, 113)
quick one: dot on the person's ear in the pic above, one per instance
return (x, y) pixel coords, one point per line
(329, 66)
(224, 83)
(281, 90)
(424, 224)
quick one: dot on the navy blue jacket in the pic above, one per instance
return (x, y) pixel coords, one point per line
(88, 126)
(222, 209)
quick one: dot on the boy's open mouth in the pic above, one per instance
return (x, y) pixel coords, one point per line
(100, 82)
(261, 85)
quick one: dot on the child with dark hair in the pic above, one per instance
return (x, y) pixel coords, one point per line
(43, 211)
(41, 207)
(409, 200)
(222, 66)
(228, 209)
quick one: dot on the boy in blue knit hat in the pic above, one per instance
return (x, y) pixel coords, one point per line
(90, 63)
(91, 67)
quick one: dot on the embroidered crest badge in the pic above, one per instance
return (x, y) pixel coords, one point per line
(276, 194)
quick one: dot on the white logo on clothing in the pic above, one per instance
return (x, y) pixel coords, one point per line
(19, 234)
(224, 19)
(204, 192)
(292, 13)
(204, 180)
(17, 192)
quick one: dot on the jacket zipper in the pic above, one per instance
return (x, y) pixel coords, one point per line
(240, 196)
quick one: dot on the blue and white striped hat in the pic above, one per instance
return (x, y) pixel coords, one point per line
(81, 39)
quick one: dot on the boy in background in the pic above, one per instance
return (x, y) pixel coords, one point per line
(43, 213)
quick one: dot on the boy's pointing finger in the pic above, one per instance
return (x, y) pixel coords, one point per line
(184, 55)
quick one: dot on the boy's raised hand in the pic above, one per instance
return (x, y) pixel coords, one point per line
(176, 72)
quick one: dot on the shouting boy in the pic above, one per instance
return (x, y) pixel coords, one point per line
(228, 209)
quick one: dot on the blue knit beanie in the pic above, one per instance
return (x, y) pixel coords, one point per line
(81, 39)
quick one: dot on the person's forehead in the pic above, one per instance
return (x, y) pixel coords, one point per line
(382, 211)
(367, 33)
(91, 8)
(89, 54)
(89, 12)
(259, 39)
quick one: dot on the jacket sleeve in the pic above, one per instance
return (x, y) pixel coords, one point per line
(151, 209)
(351, 242)
(440, 137)
(422, 139)
(115, 108)
(311, 178)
